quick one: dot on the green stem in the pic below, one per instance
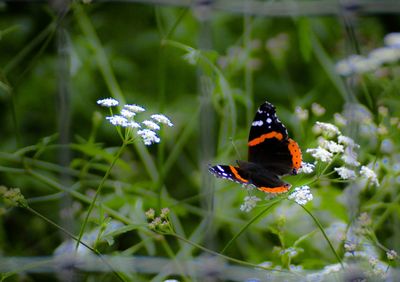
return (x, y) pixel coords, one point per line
(245, 263)
(324, 234)
(248, 224)
(76, 239)
(92, 204)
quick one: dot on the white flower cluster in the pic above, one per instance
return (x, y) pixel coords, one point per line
(370, 175)
(249, 203)
(360, 64)
(306, 168)
(146, 129)
(301, 195)
(342, 146)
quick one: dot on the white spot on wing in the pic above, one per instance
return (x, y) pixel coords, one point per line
(257, 123)
(269, 120)
(220, 169)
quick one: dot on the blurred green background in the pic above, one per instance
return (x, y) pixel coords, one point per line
(207, 68)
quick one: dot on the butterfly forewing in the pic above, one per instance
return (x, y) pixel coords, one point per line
(268, 141)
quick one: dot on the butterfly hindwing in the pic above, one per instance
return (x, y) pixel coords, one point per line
(251, 173)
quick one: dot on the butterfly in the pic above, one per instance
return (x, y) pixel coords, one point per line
(271, 154)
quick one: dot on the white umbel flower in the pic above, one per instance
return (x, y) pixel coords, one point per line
(369, 174)
(345, 173)
(151, 125)
(340, 119)
(392, 39)
(301, 114)
(149, 137)
(332, 146)
(347, 141)
(301, 195)
(108, 102)
(249, 203)
(327, 128)
(127, 113)
(385, 55)
(355, 64)
(320, 154)
(162, 119)
(391, 255)
(317, 109)
(133, 124)
(134, 108)
(118, 120)
(350, 157)
(306, 168)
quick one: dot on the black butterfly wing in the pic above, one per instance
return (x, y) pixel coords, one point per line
(269, 144)
(251, 173)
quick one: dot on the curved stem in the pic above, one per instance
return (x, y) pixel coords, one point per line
(248, 224)
(324, 234)
(76, 239)
(92, 204)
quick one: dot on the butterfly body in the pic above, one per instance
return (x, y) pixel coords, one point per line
(271, 154)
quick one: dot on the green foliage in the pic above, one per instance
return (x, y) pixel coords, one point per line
(90, 188)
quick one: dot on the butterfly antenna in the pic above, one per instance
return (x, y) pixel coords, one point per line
(235, 148)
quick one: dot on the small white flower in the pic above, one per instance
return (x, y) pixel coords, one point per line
(350, 157)
(391, 255)
(192, 56)
(249, 203)
(301, 195)
(134, 108)
(108, 102)
(350, 247)
(118, 120)
(149, 137)
(317, 109)
(151, 125)
(347, 141)
(369, 174)
(301, 114)
(127, 113)
(320, 154)
(385, 55)
(340, 119)
(133, 124)
(355, 64)
(392, 39)
(332, 146)
(327, 128)
(306, 168)
(345, 173)
(162, 119)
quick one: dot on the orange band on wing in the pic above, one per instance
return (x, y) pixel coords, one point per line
(236, 174)
(269, 135)
(280, 189)
(295, 151)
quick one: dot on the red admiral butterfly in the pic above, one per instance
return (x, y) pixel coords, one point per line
(271, 154)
